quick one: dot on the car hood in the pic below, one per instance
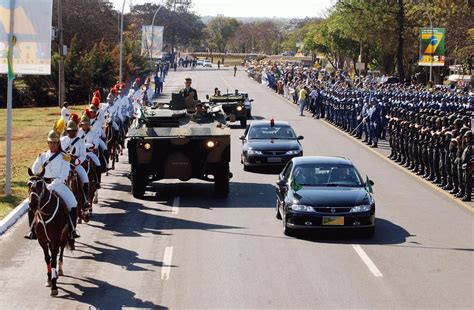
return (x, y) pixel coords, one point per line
(331, 196)
(273, 145)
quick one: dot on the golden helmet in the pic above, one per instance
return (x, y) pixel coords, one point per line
(53, 136)
(85, 120)
(71, 125)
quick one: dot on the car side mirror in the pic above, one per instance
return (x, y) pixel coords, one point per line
(251, 100)
(371, 183)
(281, 182)
(242, 138)
(300, 138)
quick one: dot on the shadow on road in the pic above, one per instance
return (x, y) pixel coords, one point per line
(138, 219)
(103, 252)
(103, 295)
(201, 195)
(386, 232)
(275, 170)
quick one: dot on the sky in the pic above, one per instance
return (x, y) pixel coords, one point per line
(250, 8)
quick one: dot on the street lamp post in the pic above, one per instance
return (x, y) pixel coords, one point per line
(121, 42)
(152, 36)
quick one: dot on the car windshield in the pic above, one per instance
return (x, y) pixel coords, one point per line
(326, 175)
(271, 132)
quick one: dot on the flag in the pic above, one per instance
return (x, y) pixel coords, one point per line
(11, 73)
(367, 184)
(295, 186)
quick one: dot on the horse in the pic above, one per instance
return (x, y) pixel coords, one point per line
(75, 184)
(112, 143)
(51, 224)
(92, 174)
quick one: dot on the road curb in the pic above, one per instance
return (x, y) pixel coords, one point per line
(13, 216)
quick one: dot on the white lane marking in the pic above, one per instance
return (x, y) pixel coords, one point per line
(175, 207)
(166, 267)
(226, 83)
(367, 261)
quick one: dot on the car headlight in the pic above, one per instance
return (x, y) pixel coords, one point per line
(210, 144)
(239, 108)
(293, 152)
(303, 208)
(361, 208)
(254, 152)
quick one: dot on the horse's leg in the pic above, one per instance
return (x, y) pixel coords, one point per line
(47, 260)
(54, 273)
(61, 253)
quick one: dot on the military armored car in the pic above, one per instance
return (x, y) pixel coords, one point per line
(181, 139)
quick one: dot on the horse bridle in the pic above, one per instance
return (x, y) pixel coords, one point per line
(40, 208)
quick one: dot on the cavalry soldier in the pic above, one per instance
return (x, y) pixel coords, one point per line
(65, 112)
(97, 125)
(91, 140)
(56, 171)
(74, 146)
(188, 90)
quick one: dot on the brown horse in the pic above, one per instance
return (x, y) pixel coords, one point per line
(75, 184)
(51, 224)
(92, 173)
(111, 137)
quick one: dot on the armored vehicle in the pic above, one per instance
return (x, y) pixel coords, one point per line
(182, 139)
(233, 106)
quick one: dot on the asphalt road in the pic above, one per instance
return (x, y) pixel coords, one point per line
(182, 248)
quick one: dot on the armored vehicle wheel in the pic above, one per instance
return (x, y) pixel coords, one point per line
(243, 122)
(138, 182)
(221, 182)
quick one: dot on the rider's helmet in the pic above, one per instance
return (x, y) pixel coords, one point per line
(71, 125)
(85, 120)
(53, 136)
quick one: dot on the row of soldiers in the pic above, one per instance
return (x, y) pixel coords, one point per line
(435, 145)
(429, 134)
(79, 144)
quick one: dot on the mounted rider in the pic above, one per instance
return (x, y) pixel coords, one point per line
(75, 147)
(56, 171)
(91, 141)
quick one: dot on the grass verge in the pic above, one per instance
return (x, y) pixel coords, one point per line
(30, 127)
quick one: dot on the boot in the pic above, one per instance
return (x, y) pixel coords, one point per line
(85, 190)
(466, 197)
(460, 194)
(374, 145)
(73, 217)
(455, 190)
(30, 234)
(448, 187)
(99, 179)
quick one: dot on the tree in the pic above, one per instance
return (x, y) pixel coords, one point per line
(219, 31)
(181, 27)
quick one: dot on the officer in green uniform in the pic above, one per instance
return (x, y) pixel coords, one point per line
(188, 90)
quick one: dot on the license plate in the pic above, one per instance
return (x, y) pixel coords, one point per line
(333, 220)
(274, 159)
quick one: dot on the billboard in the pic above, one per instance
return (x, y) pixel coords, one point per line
(32, 31)
(431, 47)
(152, 34)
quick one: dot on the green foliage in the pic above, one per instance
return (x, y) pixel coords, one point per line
(374, 27)
(219, 31)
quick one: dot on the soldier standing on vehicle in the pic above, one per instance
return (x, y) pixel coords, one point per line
(235, 70)
(188, 90)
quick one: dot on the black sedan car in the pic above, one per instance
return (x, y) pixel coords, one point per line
(269, 143)
(324, 192)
